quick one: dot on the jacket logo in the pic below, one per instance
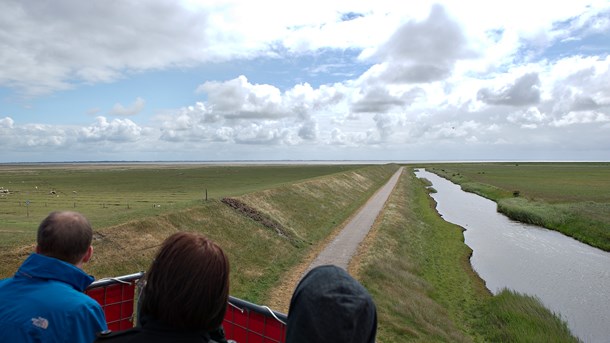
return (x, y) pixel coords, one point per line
(40, 322)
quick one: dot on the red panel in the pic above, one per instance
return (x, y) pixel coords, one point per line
(113, 312)
(117, 301)
(97, 294)
(275, 330)
(257, 323)
(245, 326)
(241, 325)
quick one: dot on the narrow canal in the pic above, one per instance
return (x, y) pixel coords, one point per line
(569, 277)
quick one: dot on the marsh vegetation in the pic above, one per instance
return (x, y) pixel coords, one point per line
(572, 198)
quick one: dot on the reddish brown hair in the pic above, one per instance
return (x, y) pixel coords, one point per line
(187, 285)
(65, 236)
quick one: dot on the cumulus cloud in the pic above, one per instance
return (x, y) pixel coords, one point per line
(238, 98)
(7, 123)
(524, 91)
(529, 118)
(418, 77)
(259, 134)
(581, 117)
(385, 125)
(309, 130)
(425, 51)
(378, 99)
(580, 84)
(104, 42)
(117, 130)
(32, 136)
(351, 139)
(133, 109)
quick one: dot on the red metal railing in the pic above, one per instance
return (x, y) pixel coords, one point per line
(244, 322)
(249, 323)
(117, 297)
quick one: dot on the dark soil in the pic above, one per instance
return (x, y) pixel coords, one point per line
(261, 218)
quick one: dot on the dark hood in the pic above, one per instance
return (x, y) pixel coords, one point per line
(328, 305)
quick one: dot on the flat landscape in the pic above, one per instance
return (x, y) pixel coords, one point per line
(117, 193)
(411, 254)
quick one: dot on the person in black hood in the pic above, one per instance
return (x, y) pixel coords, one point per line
(329, 305)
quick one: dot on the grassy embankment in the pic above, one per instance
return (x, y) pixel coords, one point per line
(110, 195)
(417, 268)
(310, 210)
(572, 198)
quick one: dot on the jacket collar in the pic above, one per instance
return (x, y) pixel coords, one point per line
(48, 268)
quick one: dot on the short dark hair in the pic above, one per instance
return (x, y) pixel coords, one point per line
(187, 285)
(64, 235)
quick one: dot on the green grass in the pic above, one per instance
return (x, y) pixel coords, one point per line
(111, 195)
(572, 198)
(417, 268)
(551, 182)
(259, 257)
(511, 317)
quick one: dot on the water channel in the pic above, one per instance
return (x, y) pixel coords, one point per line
(569, 277)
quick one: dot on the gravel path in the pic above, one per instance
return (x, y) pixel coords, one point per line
(340, 251)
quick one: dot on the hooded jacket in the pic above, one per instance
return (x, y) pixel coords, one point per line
(329, 305)
(44, 302)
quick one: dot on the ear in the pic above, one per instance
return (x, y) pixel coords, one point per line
(37, 250)
(88, 254)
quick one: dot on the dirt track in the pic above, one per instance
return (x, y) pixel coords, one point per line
(341, 250)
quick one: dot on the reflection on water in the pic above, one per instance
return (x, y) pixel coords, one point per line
(569, 277)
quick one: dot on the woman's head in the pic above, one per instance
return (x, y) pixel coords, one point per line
(187, 286)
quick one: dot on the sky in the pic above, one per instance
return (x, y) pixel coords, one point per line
(309, 80)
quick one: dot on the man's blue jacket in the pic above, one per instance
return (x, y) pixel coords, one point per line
(44, 302)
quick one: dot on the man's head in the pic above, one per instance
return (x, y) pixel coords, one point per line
(66, 236)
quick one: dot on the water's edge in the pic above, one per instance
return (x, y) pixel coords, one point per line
(569, 277)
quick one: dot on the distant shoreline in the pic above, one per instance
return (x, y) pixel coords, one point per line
(280, 162)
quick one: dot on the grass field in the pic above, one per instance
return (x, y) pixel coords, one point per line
(416, 265)
(113, 194)
(573, 198)
(417, 268)
(258, 255)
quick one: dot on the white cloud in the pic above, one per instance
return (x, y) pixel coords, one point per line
(582, 117)
(104, 41)
(238, 98)
(529, 118)
(427, 75)
(424, 51)
(309, 130)
(117, 130)
(7, 123)
(524, 91)
(259, 134)
(133, 109)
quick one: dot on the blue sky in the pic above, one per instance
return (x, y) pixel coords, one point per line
(323, 80)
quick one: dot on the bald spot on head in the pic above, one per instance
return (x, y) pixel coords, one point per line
(64, 235)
